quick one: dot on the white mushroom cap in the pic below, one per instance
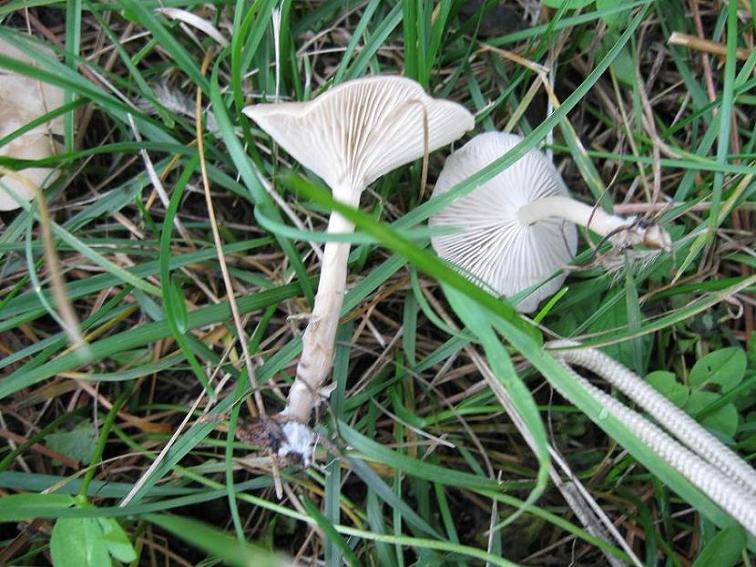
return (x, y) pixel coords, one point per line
(34, 147)
(493, 245)
(362, 129)
(23, 99)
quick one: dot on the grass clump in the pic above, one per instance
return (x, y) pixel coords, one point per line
(443, 441)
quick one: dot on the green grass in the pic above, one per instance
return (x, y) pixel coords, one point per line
(420, 463)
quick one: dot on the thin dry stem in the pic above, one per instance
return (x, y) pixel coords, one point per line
(221, 258)
(57, 283)
(705, 45)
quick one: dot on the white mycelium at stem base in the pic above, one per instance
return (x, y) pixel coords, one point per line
(350, 136)
(518, 228)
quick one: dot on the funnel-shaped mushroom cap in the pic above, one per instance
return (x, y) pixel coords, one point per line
(362, 129)
(37, 146)
(23, 99)
(492, 245)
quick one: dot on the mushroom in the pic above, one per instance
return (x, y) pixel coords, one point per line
(518, 228)
(23, 99)
(350, 136)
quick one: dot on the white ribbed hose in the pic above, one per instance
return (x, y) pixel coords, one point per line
(707, 463)
(685, 428)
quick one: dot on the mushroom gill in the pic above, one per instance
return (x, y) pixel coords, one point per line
(518, 229)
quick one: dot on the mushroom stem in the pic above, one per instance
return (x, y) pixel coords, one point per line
(597, 220)
(320, 335)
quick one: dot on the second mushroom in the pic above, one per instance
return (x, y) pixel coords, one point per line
(22, 100)
(349, 136)
(517, 229)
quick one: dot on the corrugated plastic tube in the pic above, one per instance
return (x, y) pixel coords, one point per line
(699, 456)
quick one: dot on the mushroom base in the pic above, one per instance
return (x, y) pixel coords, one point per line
(287, 439)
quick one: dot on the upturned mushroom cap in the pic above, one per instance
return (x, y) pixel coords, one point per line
(362, 129)
(492, 245)
(23, 99)
(38, 146)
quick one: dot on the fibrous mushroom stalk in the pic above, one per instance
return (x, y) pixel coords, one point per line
(625, 231)
(319, 338)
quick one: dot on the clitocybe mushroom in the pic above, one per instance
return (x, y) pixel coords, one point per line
(518, 228)
(23, 99)
(350, 136)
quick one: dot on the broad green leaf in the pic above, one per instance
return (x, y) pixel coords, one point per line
(612, 18)
(116, 540)
(724, 368)
(724, 550)
(17, 507)
(666, 383)
(749, 443)
(77, 542)
(623, 67)
(78, 443)
(724, 420)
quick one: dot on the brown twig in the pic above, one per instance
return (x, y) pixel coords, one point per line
(704, 45)
(219, 248)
